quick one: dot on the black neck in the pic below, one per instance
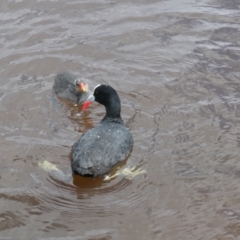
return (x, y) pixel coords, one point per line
(113, 110)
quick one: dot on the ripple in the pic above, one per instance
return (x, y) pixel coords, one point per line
(88, 197)
(10, 220)
(19, 195)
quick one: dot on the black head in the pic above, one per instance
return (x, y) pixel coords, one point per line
(103, 94)
(107, 96)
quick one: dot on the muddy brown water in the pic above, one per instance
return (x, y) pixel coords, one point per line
(176, 66)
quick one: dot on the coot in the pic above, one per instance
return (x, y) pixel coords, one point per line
(110, 142)
(68, 86)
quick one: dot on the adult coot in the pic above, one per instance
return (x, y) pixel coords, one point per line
(110, 142)
(68, 86)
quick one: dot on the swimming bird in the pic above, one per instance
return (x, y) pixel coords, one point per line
(68, 86)
(110, 142)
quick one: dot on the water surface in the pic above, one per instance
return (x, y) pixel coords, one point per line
(176, 67)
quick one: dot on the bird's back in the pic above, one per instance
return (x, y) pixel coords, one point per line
(101, 148)
(64, 86)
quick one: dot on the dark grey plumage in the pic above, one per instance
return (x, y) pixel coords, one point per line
(109, 143)
(65, 87)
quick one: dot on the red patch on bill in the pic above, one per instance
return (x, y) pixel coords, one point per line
(86, 105)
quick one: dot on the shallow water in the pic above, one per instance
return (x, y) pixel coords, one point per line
(176, 67)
